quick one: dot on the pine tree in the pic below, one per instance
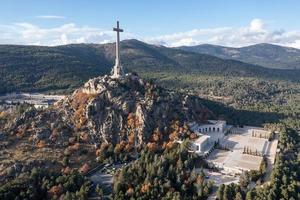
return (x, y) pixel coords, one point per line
(220, 192)
(238, 196)
(249, 195)
(227, 193)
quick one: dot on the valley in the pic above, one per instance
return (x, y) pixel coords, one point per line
(107, 121)
(149, 100)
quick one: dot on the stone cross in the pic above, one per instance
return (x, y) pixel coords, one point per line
(118, 69)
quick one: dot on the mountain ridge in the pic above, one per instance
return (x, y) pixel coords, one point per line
(263, 54)
(43, 69)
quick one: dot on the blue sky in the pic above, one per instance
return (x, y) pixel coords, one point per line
(167, 22)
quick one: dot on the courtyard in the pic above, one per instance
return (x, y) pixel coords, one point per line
(233, 159)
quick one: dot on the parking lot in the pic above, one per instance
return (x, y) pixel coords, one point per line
(104, 177)
(219, 178)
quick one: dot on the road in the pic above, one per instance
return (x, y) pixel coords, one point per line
(218, 180)
(99, 176)
(271, 154)
(103, 177)
(104, 180)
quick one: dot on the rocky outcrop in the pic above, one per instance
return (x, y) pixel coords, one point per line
(109, 110)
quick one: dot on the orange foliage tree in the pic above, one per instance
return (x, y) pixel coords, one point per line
(84, 137)
(130, 191)
(3, 114)
(84, 168)
(152, 146)
(117, 149)
(145, 188)
(156, 136)
(131, 138)
(66, 170)
(41, 144)
(79, 103)
(74, 147)
(55, 191)
(170, 145)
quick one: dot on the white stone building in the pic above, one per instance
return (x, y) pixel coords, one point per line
(200, 144)
(36, 99)
(208, 133)
(213, 126)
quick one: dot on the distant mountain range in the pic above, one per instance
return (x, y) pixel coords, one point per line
(267, 55)
(40, 68)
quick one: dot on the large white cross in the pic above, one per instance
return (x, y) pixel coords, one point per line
(118, 30)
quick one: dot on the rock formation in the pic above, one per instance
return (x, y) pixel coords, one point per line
(109, 110)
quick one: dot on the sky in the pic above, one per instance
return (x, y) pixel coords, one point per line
(172, 23)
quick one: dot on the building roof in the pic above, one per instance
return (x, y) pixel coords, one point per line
(215, 122)
(201, 139)
(208, 122)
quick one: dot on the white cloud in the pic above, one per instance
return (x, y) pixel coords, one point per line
(257, 25)
(50, 17)
(29, 34)
(295, 44)
(255, 32)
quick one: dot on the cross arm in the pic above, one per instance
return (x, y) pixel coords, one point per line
(118, 29)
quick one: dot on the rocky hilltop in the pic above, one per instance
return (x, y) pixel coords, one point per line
(109, 111)
(106, 109)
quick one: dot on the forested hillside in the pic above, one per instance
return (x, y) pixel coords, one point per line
(240, 93)
(267, 55)
(63, 68)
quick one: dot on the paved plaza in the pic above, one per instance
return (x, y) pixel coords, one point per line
(233, 161)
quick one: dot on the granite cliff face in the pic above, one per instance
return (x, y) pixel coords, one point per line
(110, 110)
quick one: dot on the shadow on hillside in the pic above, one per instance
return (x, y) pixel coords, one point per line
(241, 117)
